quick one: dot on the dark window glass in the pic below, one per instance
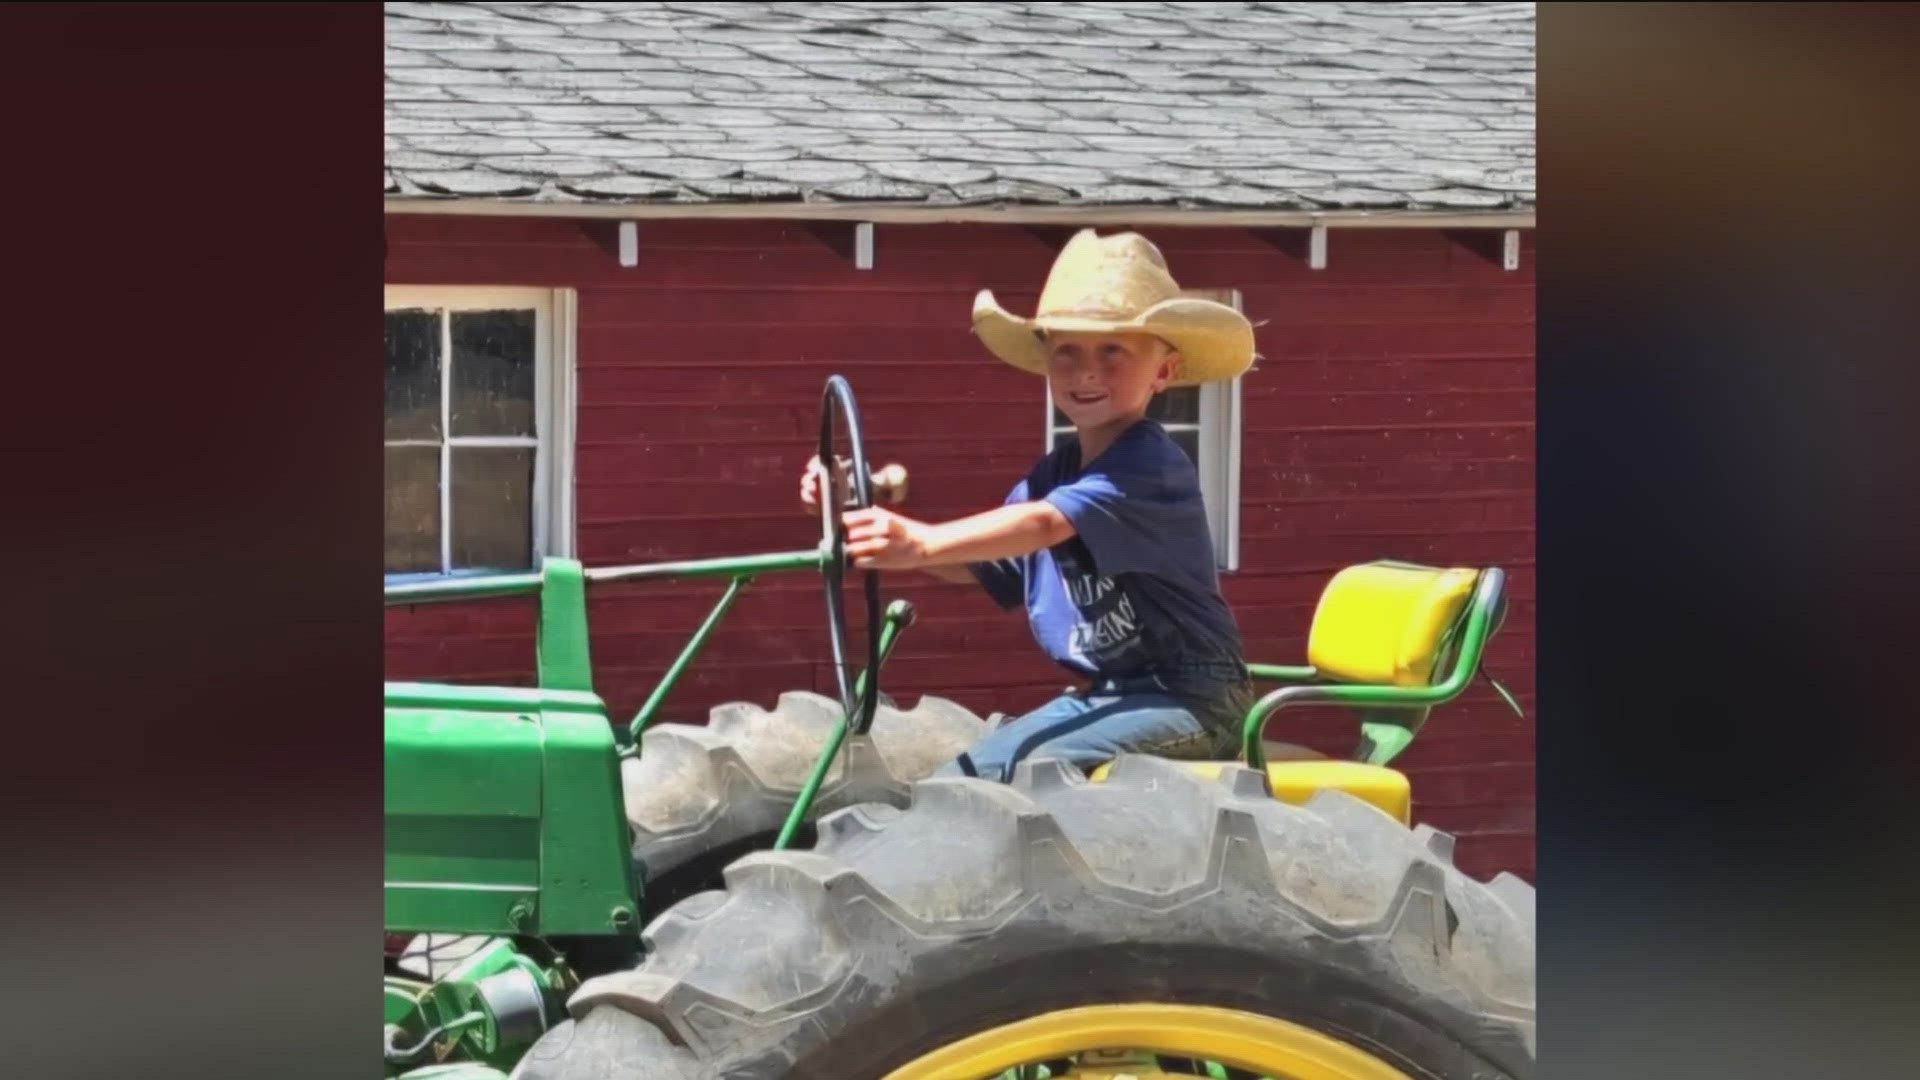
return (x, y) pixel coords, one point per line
(413, 509)
(492, 373)
(413, 374)
(492, 507)
(1178, 405)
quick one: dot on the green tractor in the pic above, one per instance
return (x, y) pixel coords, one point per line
(785, 894)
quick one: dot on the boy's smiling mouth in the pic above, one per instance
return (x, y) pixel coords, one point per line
(1086, 398)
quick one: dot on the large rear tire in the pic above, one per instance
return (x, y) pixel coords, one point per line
(699, 797)
(908, 932)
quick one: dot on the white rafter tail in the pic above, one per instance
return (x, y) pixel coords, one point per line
(1510, 250)
(629, 244)
(1317, 248)
(863, 245)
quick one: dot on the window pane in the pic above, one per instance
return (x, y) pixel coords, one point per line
(413, 509)
(1190, 442)
(1060, 419)
(413, 374)
(1179, 405)
(492, 373)
(492, 508)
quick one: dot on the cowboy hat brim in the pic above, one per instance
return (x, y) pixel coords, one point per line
(1214, 340)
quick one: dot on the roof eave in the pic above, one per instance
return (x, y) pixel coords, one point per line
(907, 213)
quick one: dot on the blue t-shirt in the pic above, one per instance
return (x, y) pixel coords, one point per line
(1135, 592)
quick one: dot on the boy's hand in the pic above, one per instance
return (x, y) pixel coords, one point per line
(810, 484)
(889, 483)
(880, 539)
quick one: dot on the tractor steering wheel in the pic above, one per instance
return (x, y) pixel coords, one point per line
(838, 397)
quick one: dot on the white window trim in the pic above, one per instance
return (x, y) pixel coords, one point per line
(1220, 467)
(1219, 443)
(555, 407)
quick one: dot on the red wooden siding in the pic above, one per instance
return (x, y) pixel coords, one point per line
(1391, 416)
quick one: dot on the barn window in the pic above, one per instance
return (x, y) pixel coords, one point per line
(479, 429)
(1205, 422)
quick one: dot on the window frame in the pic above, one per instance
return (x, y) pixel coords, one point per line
(1218, 438)
(554, 411)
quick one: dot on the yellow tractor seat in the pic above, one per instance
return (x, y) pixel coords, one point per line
(1296, 781)
(1387, 624)
(1387, 628)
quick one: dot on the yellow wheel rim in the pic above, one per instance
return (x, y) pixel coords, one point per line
(1261, 1044)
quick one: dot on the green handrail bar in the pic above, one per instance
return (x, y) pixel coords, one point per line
(564, 647)
(563, 658)
(733, 566)
(1388, 739)
(478, 587)
(488, 586)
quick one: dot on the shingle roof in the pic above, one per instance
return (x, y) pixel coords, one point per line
(1231, 105)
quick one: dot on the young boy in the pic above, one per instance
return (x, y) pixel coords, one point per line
(1105, 542)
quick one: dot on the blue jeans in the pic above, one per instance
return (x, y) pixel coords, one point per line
(1092, 727)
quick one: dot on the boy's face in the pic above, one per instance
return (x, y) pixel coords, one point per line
(1099, 378)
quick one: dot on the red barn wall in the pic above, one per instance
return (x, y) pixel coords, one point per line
(1392, 416)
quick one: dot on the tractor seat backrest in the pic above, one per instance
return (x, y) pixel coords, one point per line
(1387, 624)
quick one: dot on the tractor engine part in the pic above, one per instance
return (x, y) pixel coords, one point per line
(494, 1004)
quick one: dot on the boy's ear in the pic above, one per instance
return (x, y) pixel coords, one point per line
(1170, 361)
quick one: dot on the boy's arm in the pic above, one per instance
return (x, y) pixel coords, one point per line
(883, 540)
(953, 574)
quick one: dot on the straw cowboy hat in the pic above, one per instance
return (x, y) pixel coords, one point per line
(1119, 284)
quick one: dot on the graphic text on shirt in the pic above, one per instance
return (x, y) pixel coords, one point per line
(1101, 634)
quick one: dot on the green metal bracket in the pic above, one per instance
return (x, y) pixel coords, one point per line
(403, 1002)
(899, 616)
(659, 696)
(1383, 741)
(1386, 741)
(564, 662)
(1282, 673)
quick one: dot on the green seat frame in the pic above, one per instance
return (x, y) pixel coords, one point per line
(1383, 739)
